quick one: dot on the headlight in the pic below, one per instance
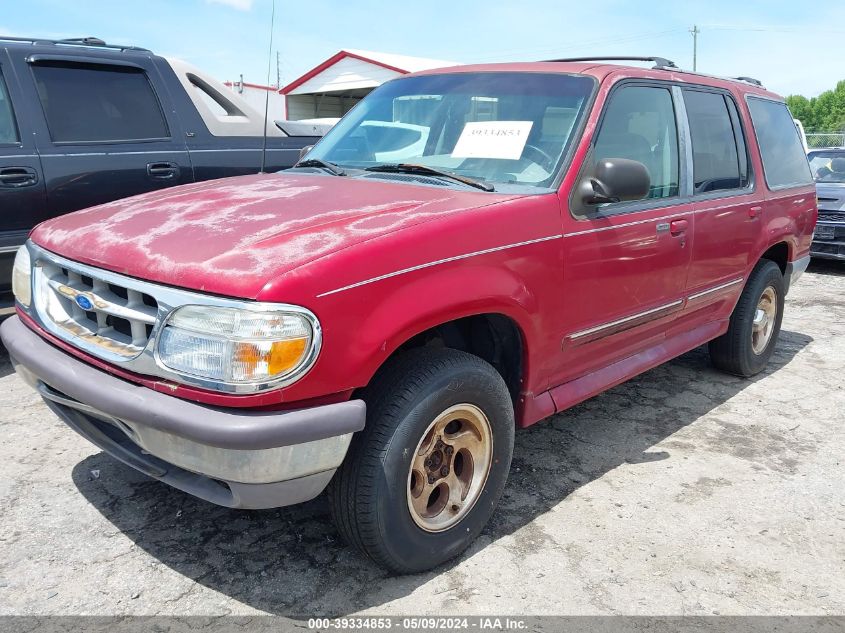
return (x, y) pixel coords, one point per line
(22, 277)
(238, 346)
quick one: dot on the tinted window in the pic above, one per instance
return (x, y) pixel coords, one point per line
(639, 124)
(8, 130)
(716, 158)
(98, 103)
(784, 161)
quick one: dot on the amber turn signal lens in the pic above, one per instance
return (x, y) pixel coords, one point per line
(285, 355)
(267, 359)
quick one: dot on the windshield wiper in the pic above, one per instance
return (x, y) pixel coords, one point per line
(318, 162)
(412, 168)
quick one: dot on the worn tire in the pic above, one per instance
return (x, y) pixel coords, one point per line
(369, 494)
(733, 352)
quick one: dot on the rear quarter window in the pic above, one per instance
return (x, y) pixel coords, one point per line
(784, 161)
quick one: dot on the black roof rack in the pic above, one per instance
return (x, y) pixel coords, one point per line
(749, 80)
(76, 41)
(659, 62)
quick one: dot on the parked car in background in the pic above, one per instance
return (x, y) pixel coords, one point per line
(828, 167)
(380, 327)
(83, 123)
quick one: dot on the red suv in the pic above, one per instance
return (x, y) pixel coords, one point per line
(469, 250)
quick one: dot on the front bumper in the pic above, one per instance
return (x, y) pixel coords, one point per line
(232, 457)
(833, 248)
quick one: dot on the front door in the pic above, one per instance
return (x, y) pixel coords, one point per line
(626, 263)
(22, 199)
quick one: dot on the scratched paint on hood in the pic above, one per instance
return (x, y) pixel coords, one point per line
(232, 236)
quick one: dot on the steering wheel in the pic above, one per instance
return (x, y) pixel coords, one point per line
(545, 161)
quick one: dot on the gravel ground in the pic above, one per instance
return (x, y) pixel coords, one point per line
(684, 491)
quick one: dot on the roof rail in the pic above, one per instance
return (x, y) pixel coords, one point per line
(76, 41)
(749, 80)
(659, 62)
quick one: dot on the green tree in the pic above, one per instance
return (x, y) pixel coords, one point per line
(825, 113)
(802, 109)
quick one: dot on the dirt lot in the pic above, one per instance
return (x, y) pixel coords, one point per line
(684, 491)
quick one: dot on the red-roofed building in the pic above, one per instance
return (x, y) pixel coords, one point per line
(332, 88)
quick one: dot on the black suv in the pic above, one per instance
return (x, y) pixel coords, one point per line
(83, 123)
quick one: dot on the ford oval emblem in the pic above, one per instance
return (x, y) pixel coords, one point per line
(84, 302)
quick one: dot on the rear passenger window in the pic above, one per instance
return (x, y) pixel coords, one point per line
(85, 103)
(718, 149)
(8, 129)
(639, 124)
(784, 160)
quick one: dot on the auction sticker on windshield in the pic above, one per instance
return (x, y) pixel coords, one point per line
(492, 139)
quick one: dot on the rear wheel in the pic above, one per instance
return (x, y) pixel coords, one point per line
(755, 323)
(424, 476)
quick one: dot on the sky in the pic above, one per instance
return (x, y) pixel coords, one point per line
(792, 50)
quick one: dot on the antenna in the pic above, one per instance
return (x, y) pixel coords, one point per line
(267, 92)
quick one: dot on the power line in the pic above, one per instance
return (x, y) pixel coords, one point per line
(770, 29)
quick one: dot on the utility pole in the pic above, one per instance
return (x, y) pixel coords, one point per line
(695, 31)
(278, 69)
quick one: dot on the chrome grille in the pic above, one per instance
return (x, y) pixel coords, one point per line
(80, 305)
(125, 316)
(831, 216)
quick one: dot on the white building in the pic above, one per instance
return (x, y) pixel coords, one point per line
(330, 89)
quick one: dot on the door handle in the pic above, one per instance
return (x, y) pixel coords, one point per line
(678, 227)
(15, 177)
(162, 171)
(754, 212)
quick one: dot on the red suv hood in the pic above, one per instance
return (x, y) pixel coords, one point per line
(232, 236)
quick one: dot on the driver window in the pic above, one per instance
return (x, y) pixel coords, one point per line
(639, 124)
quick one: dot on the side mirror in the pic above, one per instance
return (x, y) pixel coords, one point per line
(616, 180)
(304, 151)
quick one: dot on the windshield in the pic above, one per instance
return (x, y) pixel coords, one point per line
(510, 130)
(828, 166)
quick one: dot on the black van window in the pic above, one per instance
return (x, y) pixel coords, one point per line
(784, 161)
(85, 103)
(8, 130)
(639, 124)
(715, 156)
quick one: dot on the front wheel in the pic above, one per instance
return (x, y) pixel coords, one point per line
(748, 344)
(424, 476)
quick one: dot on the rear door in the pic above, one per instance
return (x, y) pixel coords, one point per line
(107, 133)
(728, 202)
(626, 263)
(22, 197)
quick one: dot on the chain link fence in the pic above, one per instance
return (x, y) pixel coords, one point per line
(825, 139)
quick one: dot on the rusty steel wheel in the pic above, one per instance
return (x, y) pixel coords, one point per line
(764, 321)
(450, 467)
